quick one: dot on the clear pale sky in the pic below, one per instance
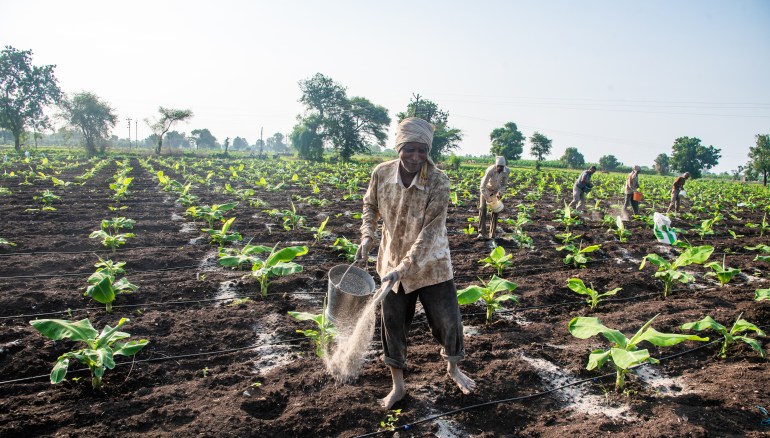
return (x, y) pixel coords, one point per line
(608, 77)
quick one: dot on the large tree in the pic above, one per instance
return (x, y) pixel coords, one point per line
(445, 138)
(759, 156)
(541, 146)
(573, 159)
(348, 125)
(204, 139)
(662, 164)
(507, 141)
(306, 139)
(94, 117)
(168, 117)
(608, 163)
(275, 143)
(240, 144)
(25, 90)
(689, 155)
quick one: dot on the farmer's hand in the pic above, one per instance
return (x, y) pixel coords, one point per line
(363, 249)
(390, 277)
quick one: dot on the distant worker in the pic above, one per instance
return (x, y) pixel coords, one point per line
(632, 186)
(676, 189)
(491, 190)
(582, 186)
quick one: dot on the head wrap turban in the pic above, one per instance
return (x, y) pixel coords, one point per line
(500, 161)
(417, 130)
(414, 129)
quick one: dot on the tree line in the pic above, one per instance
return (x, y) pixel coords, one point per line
(332, 121)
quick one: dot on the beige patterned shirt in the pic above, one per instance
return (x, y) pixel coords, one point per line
(414, 239)
(494, 181)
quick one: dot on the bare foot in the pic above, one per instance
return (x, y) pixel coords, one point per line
(398, 392)
(392, 398)
(466, 384)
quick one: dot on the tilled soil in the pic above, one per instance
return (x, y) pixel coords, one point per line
(218, 367)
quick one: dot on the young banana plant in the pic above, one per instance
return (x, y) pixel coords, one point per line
(624, 352)
(730, 337)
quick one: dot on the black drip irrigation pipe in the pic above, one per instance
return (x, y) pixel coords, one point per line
(160, 304)
(10, 254)
(408, 426)
(74, 274)
(160, 359)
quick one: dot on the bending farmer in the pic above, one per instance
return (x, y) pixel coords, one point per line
(676, 188)
(411, 196)
(582, 186)
(492, 188)
(632, 185)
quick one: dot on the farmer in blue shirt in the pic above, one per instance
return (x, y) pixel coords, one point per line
(582, 186)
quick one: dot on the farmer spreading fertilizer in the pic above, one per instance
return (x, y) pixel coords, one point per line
(411, 196)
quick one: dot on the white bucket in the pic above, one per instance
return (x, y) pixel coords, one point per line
(495, 204)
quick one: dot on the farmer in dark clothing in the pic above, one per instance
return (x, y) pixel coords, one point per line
(676, 189)
(582, 186)
(632, 186)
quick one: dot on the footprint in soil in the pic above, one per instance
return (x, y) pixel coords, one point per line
(265, 407)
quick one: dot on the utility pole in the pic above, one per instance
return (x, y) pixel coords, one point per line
(136, 132)
(129, 132)
(261, 142)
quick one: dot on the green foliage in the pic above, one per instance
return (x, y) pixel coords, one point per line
(541, 146)
(721, 271)
(6, 242)
(577, 286)
(291, 220)
(223, 235)
(100, 349)
(734, 334)
(103, 283)
(322, 337)
(27, 91)
(568, 217)
(624, 352)
(688, 155)
(320, 232)
(211, 214)
(609, 163)
(168, 118)
(347, 248)
(277, 264)
(577, 256)
(759, 156)
(389, 423)
(620, 231)
(94, 116)
(573, 159)
(762, 294)
(471, 294)
(507, 141)
(48, 198)
(669, 272)
(498, 259)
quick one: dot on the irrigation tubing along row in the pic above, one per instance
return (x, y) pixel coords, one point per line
(160, 359)
(257, 296)
(408, 426)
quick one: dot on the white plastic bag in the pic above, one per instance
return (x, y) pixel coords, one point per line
(662, 229)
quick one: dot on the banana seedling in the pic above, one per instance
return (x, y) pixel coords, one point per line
(322, 337)
(624, 353)
(100, 349)
(6, 242)
(761, 248)
(577, 255)
(278, 264)
(471, 294)
(224, 235)
(320, 232)
(577, 286)
(734, 334)
(620, 230)
(721, 272)
(669, 272)
(762, 294)
(348, 248)
(498, 259)
(103, 285)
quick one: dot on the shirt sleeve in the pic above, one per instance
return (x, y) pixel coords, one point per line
(422, 249)
(485, 181)
(371, 209)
